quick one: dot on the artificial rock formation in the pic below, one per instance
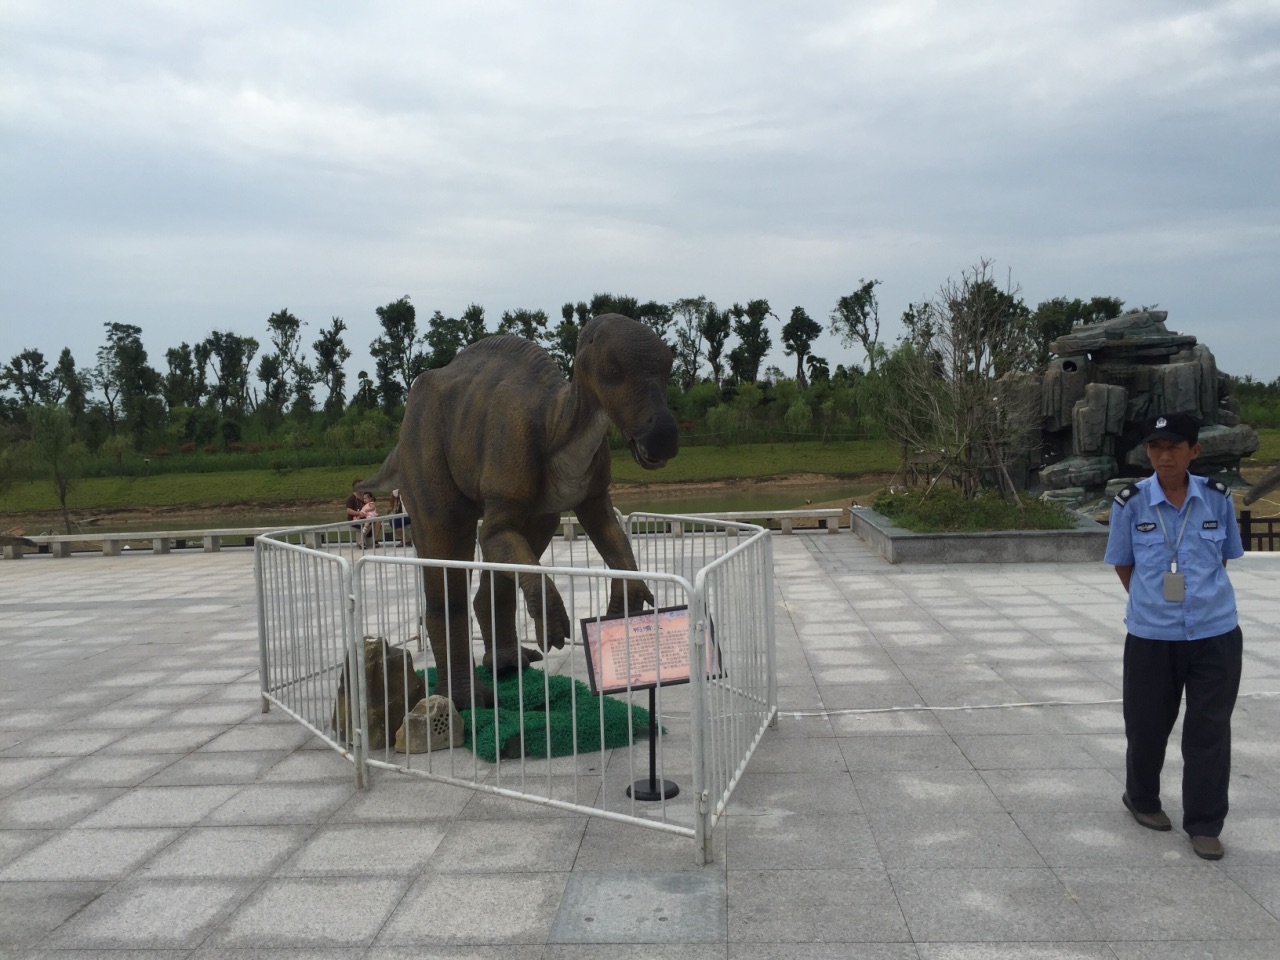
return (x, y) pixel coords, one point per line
(392, 684)
(1106, 380)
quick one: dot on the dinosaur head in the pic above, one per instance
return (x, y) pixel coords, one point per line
(626, 366)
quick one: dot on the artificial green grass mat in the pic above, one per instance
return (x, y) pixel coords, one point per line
(548, 718)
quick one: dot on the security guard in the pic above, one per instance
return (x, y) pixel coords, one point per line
(1170, 539)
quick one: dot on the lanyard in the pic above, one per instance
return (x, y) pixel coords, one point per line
(1173, 547)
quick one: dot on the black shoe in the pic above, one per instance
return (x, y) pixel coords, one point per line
(1152, 821)
(1207, 848)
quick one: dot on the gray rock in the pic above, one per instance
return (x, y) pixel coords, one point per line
(1078, 472)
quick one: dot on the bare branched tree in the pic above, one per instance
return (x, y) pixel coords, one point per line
(962, 384)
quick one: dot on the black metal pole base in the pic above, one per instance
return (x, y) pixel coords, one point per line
(652, 790)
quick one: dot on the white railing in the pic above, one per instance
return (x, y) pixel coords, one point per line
(328, 612)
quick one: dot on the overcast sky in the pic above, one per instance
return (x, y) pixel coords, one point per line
(188, 167)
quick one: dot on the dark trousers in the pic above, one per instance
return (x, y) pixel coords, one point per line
(1156, 672)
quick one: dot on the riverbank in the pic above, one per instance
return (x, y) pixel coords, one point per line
(665, 497)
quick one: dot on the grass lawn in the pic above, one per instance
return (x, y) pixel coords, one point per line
(329, 484)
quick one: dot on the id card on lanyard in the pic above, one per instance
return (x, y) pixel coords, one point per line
(1175, 584)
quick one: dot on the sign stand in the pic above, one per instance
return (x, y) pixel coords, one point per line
(629, 653)
(653, 788)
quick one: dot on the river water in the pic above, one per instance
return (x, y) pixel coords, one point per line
(758, 496)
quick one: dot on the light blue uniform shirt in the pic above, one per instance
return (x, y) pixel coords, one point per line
(1212, 535)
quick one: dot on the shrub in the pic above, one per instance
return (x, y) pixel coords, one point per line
(159, 451)
(210, 448)
(946, 510)
(236, 446)
(187, 448)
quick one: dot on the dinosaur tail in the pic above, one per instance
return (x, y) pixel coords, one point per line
(1264, 486)
(387, 477)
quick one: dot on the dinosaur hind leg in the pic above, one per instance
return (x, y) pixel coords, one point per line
(448, 623)
(495, 605)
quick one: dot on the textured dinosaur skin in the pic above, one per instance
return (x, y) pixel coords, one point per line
(500, 436)
(1270, 480)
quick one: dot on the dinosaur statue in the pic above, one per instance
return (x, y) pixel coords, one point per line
(1270, 480)
(499, 435)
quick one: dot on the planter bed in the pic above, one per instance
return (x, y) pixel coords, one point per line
(1086, 543)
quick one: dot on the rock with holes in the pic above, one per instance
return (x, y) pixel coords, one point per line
(432, 724)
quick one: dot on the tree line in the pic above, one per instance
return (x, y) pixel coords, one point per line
(943, 385)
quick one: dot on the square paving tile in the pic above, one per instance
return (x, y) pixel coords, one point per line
(225, 853)
(337, 912)
(924, 791)
(953, 840)
(973, 904)
(1021, 752)
(882, 754)
(37, 806)
(216, 768)
(160, 807)
(151, 914)
(409, 799)
(76, 855)
(495, 846)
(1170, 902)
(455, 908)
(29, 911)
(366, 850)
(641, 907)
(795, 842)
(799, 906)
(271, 803)
(760, 794)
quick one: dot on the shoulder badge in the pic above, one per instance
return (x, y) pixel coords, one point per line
(1221, 487)
(1126, 494)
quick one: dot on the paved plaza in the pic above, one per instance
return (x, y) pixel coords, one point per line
(148, 809)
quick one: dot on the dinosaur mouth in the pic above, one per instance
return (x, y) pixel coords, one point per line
(641, 457)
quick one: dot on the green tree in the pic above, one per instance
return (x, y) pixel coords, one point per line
(183, 385)
(797, 336)
(530, 324)
(818, 368)
(656, 316)
(54, 445)
(754, 341)
(1055, 318)
(331, 354)
(715, 329)
(689, 314)
(562, 342)
(275, 390)
(799, 418)
(961, 381)
(128, 382)
(609, 303)
(366, 395)
(856, 319)
(27, 375)
(395, 353)
(73, 387)
(229, 357)
(473, 325)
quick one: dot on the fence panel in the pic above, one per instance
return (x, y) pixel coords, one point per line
(305, 639)
(666, 727)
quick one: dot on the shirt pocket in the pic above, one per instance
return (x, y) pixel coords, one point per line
(1149, 547)
(1214, 538)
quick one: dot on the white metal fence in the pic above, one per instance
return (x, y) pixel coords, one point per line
(330, 610)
